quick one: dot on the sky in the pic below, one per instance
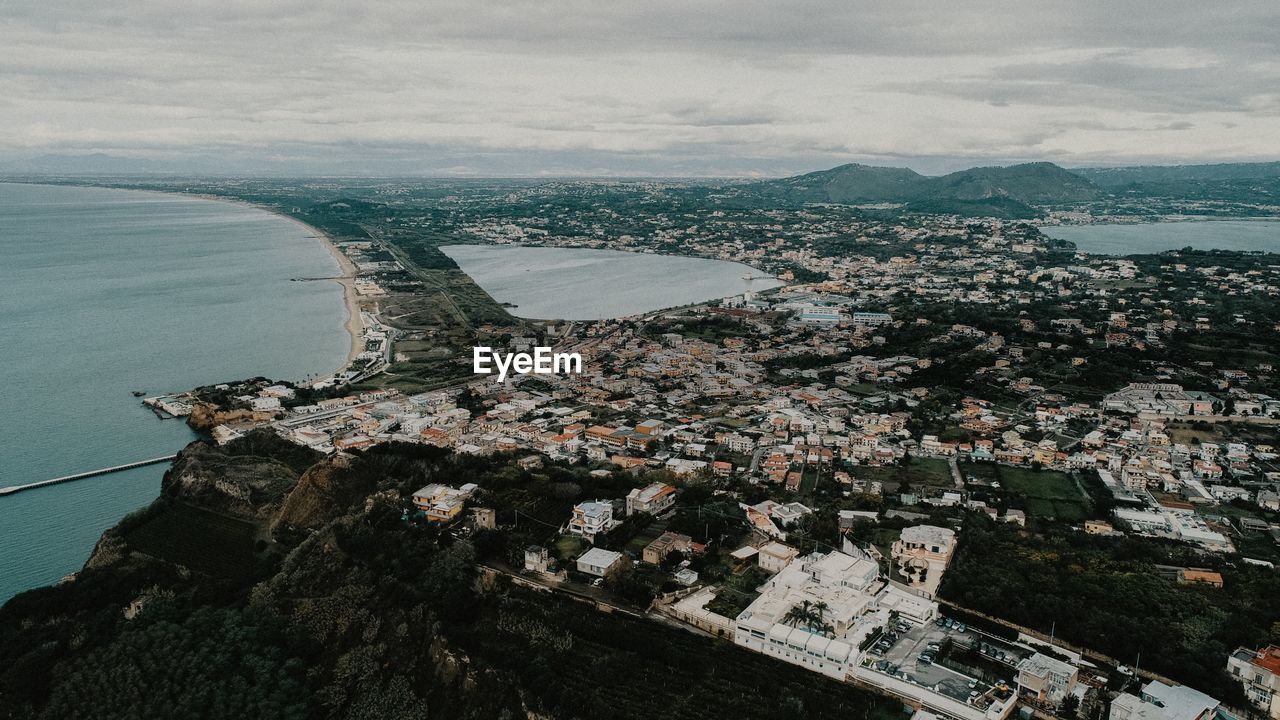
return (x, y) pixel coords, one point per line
(654, 88)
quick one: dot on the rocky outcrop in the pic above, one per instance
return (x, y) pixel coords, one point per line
(325, 491)
(251, 486)
(205, 416)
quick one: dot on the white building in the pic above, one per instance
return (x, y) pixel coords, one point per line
(1164, 702)
(1046, 679)
(652, 499)
(591, 519)
(598, 561)
(808, 614)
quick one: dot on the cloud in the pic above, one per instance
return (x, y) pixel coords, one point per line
(665, 87)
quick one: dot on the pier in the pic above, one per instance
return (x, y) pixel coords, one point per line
(81, 476)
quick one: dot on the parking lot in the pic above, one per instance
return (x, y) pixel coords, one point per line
(903, 659)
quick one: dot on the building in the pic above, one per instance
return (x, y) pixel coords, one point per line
(598, 561)
(537, 559)
(1164, 702)
(1188, 576)
(1259, 672)
(808, 613)
(590, 519)
(922, 553)
(442, 503)
(652, 499)
(774, 556)
(1046, 680)
(871, 319)
(665, 544)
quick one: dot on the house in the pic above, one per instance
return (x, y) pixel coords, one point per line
(774, 556)
(1188, 576)
(590, 519)
(922, 553)
(536, 559)
(652, 499)
(665, 544)
(1164, 702)
(1046, 679)
(442, 503)
(598, 561)
(1259, 672)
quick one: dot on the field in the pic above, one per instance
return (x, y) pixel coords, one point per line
(930, 472)
(1042, 493)
(201, 540)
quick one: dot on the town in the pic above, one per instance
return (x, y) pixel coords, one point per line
(793, 470)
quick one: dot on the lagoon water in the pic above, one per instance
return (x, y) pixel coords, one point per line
(1157, 237)
(103, 292)
(585, 284)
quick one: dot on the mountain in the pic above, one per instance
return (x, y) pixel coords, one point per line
(1011, 191)
(1122, 176)
(1039, 183)
(850, 184)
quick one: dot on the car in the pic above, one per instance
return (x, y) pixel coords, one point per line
(940, 621)
(881, 665)
(948, 623)
(974, 695)
(961, 627)
(876, 651)
(973, 684)
(935, 646)
(925, 659)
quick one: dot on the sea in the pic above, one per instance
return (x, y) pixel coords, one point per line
(104, 292)
(587, 284)
(1145, 238)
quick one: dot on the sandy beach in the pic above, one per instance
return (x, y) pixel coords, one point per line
(346, 278)
(346, 275)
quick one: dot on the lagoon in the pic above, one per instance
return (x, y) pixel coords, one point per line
(1145, 238)
(585, 284)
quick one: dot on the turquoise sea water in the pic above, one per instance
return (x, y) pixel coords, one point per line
(103, 292)
(1157, 237)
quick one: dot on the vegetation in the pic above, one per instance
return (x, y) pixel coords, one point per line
(1105, 594)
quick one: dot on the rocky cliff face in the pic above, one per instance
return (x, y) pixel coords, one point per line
(251, 486)
(323, 492)
(206, 416)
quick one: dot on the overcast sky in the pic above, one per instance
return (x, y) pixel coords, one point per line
(657, 87)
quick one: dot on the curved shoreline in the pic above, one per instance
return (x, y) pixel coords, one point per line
(354, 324)
(346, 278)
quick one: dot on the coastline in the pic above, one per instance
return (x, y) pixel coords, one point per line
(346, 278)
(354, 324)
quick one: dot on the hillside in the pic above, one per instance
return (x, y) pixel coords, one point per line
(1013, 191)
(1122, 176)
(265, 583)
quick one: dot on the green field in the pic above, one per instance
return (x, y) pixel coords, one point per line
(1042, 493)
(201, 540)
(931, 472)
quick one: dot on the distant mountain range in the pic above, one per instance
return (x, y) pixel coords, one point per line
(1011, 191)
(1121, 176)
(1016, 191)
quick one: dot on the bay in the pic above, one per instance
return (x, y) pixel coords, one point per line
(104, 292)
(551, 283)
(1146, 238)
